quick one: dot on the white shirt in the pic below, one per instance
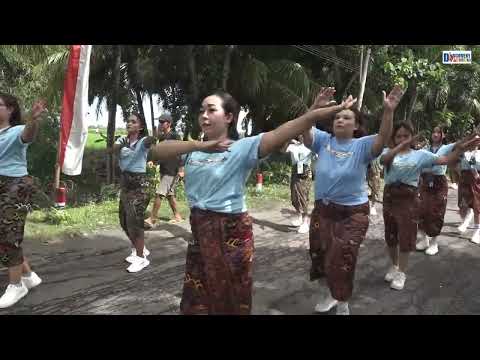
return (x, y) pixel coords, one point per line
(300, 156)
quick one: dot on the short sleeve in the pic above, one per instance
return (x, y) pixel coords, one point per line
(446, 149)
(365, 147)
(320, 138)
(249, 149)
(427, 158)
(18, 131)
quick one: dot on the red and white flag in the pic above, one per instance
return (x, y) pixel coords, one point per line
(73, 120)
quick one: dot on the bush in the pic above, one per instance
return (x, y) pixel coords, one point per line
(109, 192)
(42, 154)
(275, 171)
(57, 216)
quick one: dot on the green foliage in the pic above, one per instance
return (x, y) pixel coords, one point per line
(109, 192)
(42, 153)
(55, 216)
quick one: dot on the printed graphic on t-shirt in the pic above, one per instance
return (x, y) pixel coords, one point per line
(208, 161)
(339, 154)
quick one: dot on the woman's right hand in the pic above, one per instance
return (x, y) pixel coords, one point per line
(214, 145)
(407, 144)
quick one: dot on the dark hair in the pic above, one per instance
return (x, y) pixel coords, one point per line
(12, 102)
(230, 106)
(403, 124)
(442, 131)
(144, 132)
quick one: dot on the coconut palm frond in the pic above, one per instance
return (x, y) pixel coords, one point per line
(293, 75)
(254, 76)
(290, 103)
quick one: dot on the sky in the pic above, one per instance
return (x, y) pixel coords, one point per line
(102, 118)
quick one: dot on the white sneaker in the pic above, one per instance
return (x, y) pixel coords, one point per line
(130, 258)
(298, 221)
(326, 304)
(304, 228)
(454, 186)
(138, 264)
(391, 274)
(424, 242)
(373, 211)
(32, 280)
(474, 226)
(432, 249)
(12, 294)
(342, 308)
(476, 237)
(398, 281)
(468, 218)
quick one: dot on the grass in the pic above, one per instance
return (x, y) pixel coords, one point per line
(96, 141)
(49, 224)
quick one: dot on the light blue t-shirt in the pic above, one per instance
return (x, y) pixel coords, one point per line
(442, 151)
(13, 152)
(216, 181)
(340, 173)
(406, 168)
(133, 158)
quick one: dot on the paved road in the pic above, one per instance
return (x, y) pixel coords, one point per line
(87, 275)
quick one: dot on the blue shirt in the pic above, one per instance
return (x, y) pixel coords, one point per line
(133, 158)
(216, 181)
(341, 171)
(13, 152)
(406, 168)
(441, 151)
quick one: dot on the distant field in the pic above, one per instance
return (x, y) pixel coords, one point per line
(93, 142)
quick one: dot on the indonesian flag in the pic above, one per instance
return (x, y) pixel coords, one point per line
(73, 120)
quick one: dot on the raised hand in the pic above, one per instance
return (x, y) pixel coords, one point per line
(348, 102)
(38, 108)
(469, 144)
(405, 145)
(215, 145)
(391, 101)
(324, 98)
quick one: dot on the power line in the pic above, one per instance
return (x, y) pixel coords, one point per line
(325, 56)
(332, 57)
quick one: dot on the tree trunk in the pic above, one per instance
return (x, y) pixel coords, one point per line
(413, 100)
(259, 120)
(194, 91)
(154, 132)
(349, 84)
(226, 66)
(112, 112)
(363, 81)
(138, 95)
